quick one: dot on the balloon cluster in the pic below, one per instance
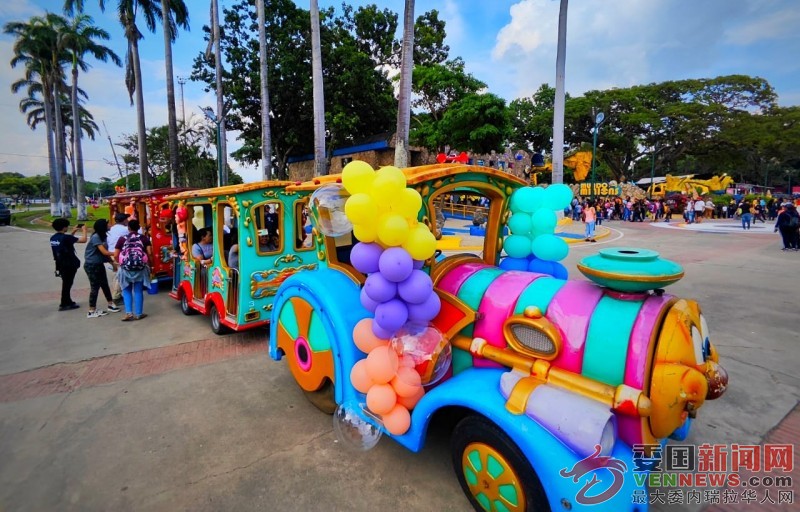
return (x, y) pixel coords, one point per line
(533, 246)
(394, 372)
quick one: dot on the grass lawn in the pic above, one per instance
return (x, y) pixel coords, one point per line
(40, 220)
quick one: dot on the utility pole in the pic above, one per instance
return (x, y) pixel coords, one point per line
(113, 152)
(181, 81)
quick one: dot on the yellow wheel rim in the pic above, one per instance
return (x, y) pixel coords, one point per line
(491, 479)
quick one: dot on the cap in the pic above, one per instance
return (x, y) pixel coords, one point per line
(121, 217)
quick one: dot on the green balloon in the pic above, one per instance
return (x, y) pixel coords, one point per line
(520, 223)
(550, 248)
(558, 196)
(517, 246)
(544, 221)
(527, 199)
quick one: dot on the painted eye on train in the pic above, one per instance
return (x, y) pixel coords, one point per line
(705, 333)
(697, 344)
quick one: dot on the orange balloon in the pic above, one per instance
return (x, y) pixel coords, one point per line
(382, 364)
(359, 378)
(364, 338)
(410, 402)
(407, 383)
(381, 398)
(397, 421)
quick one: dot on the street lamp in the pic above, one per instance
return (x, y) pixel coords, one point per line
(653, 171)
(598, 120)
(209, 113)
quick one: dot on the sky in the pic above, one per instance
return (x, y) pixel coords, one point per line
(509, 45)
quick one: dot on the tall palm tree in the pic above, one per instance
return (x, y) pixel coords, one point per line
(127, 12)
(33, 48)
(79, 40)
(558, 106)
(170, 23)
(404, 96)
(266, 134)
(320, 165)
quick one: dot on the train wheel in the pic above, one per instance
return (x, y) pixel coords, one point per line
(492, 470)
(186, 309)
(216, 321)
(306, 343)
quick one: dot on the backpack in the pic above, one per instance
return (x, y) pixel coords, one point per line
(794, 221)
(63, 258)
(132, 256)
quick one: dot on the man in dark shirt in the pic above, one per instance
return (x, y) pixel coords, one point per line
(67, 262)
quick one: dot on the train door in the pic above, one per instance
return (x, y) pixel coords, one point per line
(201, 222)
(226, 243)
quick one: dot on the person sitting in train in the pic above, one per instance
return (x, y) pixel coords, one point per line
(271, 221)
(274, 243)
(233, 256)
(203, 249)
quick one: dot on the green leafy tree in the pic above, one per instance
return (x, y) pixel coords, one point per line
(477, 122)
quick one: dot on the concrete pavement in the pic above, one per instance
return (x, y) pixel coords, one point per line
(163, 415)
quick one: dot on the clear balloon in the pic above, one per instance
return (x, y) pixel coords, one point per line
(392, 230)
(388, 184)
(520, 223)
(329, 202)
(517, 246)
(544, 221)
(550, 248)
(365, 257)
(558, 196)
(356, 428)
(361, 208)
(427, 346)
(407, 382)
(395, 264)
(357, 177)
(421, 243)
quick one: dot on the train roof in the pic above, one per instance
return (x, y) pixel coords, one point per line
(135, 194)
(416, 175)
(229, 189)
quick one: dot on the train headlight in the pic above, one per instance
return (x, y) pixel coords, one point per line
(533, 335)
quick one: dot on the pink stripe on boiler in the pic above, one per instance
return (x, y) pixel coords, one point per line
(452, 282)
(639, 344)
(496, 306)
(571, 310)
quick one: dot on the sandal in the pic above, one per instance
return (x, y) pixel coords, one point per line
(143, 315)
(128, 318)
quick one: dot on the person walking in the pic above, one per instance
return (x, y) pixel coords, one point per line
(67, 262)
(788, 223)
(133, 252)
(115, 232)
(744, 207)
(699, 209)
(590, 217)
(94, 260)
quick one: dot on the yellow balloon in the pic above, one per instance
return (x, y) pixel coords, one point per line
(367, 232)
(420, 244)
(389, 182)
(361, 208)
(392, 230)
(408, 203)
(357, 177)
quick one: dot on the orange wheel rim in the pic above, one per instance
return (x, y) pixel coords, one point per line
(491, 479)
(311, 373)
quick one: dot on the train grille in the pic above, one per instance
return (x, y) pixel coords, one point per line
(534, 340)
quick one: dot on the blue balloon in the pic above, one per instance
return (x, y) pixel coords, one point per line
(540, 266)
(510, 263)
(559, 271)
(557, 197)
(517, 246)
(550, 248)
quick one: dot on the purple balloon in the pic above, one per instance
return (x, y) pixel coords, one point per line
(418, 264)
(417, 288)
(426, 311)
(396, 264)
(368, 303)
(380, 289)
(391, 315)
(380, 332)
(365, 256)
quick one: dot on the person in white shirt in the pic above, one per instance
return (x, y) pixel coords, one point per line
(709, 208)
(699, 208)
(119, 229)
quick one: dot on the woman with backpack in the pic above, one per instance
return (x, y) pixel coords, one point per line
(94, 260)
(133, 251)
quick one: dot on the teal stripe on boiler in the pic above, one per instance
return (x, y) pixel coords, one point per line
(473, 289)
(539, 293)
(606, 349)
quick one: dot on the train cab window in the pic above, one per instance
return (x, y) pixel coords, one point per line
(472, 211)
(303, 240)
(166, 219)
(268, 220)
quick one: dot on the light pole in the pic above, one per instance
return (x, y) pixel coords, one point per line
(181, 81)
(209, 113)
(598, 120)
(653, 170)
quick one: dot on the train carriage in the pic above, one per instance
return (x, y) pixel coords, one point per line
(546, 373)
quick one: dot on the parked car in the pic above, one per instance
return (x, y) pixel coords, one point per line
(5, 214)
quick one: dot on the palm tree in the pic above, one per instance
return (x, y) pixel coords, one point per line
(170, 33)
(266, 134)
(222, 139)
(320, 167)
(33, 48)
(404, 96)
(558, 106)
(127, 11)
(79, 39)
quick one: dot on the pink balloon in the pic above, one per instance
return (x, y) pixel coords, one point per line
(359, 377)
(397, 421)
(364, 338)
(382, 364)
(381, 398)
(407, 382)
